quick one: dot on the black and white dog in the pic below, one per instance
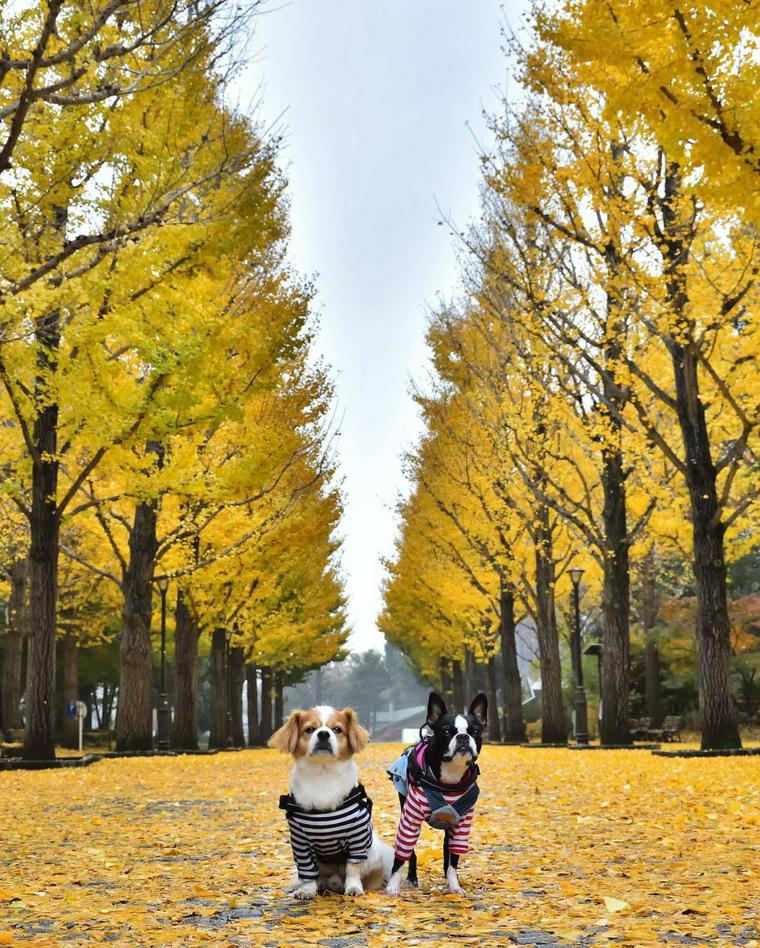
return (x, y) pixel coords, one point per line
(437, 781)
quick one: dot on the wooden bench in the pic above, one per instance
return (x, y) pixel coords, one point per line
(640, 728)
(671, 728)
(643, 729)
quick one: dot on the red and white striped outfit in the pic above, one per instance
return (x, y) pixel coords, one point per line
(416, 809)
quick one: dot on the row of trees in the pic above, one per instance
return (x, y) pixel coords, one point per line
(162, 415)
(369, 682)
(595, 391)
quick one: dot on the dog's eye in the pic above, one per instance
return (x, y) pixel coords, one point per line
(309, 729)
(337, 730)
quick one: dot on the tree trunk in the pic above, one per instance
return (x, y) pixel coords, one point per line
(613, 727)
(444, 674)
(13, 652)
(236, 676)
(134, 720)
(219, 694)
(186, 633)
(111, 695)
(70, 683)
(719, 724)
(469, 675)
(279, 699)
(89, 700)
(494, 728)
(39, 741)
(266, 729)
(652, 681)
(649, 605)
(513, 726)
(553, 719)
(102, 708)
(616, 596)
(254, 736)
(457, 685)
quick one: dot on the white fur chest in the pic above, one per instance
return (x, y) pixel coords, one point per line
(453, 771)
(322, 785)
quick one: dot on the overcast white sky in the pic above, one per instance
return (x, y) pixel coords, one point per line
(376, 95)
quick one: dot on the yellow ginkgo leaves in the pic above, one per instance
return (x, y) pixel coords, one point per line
(184, 850)
(615, 905)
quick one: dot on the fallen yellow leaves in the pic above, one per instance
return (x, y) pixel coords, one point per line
(615, 905)
(188, 850)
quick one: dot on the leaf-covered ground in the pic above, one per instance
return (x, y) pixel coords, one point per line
(568, 848)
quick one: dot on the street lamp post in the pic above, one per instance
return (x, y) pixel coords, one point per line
(164, 715)
(581, 711)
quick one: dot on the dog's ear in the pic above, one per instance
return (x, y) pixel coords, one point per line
(286, 738)
(479, 708)
(357, 737)
(436, 708)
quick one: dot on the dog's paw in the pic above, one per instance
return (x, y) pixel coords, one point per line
(303, 890)
(394, 884)
(354, 888)
(452, 883)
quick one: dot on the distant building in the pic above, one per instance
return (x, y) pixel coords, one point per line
(390, 724)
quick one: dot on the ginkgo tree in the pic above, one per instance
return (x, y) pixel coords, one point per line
(611, 320)
(235, 452)
(694, 280)
(14, 545)
(689, 72)
(86, 61)
(149, 318)
(259, 564)
(484, 527)
(166, 161)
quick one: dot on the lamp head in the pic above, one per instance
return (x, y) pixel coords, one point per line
(163, 583)
(575, 574)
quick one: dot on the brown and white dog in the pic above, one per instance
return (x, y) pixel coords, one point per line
(329, 814)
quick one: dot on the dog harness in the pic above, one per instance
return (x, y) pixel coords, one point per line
(329, 836)
(449, 807)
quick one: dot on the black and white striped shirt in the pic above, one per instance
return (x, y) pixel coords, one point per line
(329, 836)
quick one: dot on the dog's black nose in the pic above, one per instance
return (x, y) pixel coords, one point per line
(323, 736)
(463, 738)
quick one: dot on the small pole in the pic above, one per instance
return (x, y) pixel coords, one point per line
(581, 708)
(596, 649)
(81, 723)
